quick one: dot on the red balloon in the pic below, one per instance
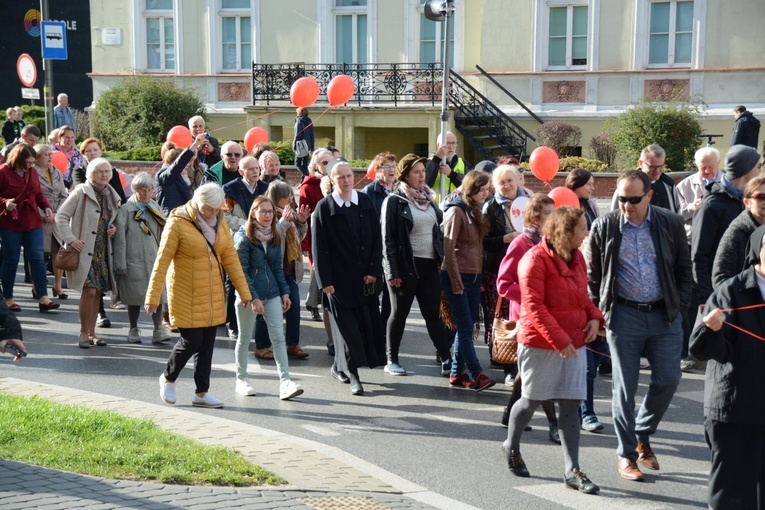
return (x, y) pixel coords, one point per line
(254, 136)
(564, 197)
(544, 163)
(123, 179)
(371, 172)
(60, 161)
(340, 90)
(180, 136)
(304, 91)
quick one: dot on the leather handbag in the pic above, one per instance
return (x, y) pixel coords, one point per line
(504, 341)
(69, 260)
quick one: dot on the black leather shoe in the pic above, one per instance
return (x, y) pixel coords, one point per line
(515, 462)
(339, 374)
(50, 306)
(580, 482)
(356, 387)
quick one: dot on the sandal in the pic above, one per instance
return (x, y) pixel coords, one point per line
(94, 340)
(83, 342)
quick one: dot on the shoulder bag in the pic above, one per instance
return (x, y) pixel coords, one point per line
(69, 259)
(504, 342)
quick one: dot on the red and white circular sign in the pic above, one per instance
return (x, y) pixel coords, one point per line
(27, 70)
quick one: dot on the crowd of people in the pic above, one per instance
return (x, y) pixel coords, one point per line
(217, 237)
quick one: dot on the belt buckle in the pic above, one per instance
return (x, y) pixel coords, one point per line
(644, 307)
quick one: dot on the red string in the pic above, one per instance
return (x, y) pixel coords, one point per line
(758, 337)
(749, 307)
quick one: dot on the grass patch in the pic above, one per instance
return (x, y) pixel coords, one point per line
(106, 444)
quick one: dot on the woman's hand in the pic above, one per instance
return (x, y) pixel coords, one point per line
(10, 204)
(303, 213)
(199, 141)
(286, 303)
(369, 279)
(395, 282)
(288, 213)
(328, 290)
(111, 230)
(150, 309)
(714, 319)
(77, 245)
(49, 216)
(257, 306)
(591, 330)
(568, 352)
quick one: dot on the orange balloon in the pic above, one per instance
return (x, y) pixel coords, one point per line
(340, 90)
(371, 172)
(60, 161)
(254, 136)
(544, 163)
(123, 180)
(304, 92)
(180, 136)
(564, 197)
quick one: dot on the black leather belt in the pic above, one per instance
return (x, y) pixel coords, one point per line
(641, 307)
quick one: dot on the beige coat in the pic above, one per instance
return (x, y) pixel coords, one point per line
(68, 223)
(135, 252)
(56, 194)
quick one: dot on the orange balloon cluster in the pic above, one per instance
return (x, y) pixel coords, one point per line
(254, 136)
(304, 92)
(544, 163)
(60, 161)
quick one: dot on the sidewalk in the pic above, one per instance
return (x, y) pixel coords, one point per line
(319, 477)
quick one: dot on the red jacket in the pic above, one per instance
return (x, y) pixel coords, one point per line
(25, 217)
(507, 278)
(555, 307)
(310, 194)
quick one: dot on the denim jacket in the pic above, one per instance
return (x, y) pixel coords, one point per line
(262, 268)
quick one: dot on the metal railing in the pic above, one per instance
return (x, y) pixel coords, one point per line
(417, 82)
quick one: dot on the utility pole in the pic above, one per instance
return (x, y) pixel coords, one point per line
(48, 72)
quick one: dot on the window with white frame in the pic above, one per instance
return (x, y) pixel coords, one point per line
(160, 35)
(432, 35)
(670, 33)
(567, 36)
(236, 35)
(351, 31)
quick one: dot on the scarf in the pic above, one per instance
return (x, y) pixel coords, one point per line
(534, 233)
(208, 227)
(259, 232)
(384, 187)
(292, 250)
(140, 215)
(74, 156)
(420, 198)
(105, 201)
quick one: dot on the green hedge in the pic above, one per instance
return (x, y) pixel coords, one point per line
(569, 163)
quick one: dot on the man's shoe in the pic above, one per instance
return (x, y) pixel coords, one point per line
(580, 482)
(688, 364)
(553, 434)
(166, 390)
(646, 456)
(295, 352)
(289, 389)
(331, 349)
(160, 334)
(315, 315)
(244, 388)
(339, 374)
(394, 369)
(265, 353)
(207, 401)
(515, 462)
(461, 381)
(590, 423)
(628, 469)
(103, 321)
(483, 382)
(134, 336)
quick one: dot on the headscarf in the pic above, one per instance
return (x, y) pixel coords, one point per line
(421, 198)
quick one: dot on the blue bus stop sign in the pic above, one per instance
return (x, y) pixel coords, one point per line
(53, 38)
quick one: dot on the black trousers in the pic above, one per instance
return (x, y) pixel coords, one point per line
(427, 289)
(230, 307)
(197, 342)
(737, 478)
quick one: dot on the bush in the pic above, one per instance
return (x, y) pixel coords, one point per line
(673, 125)
(559, 135)
(140, 110)
(82, 123)
(35, 115)
(602, 148)
(569, 163)
(284, 151)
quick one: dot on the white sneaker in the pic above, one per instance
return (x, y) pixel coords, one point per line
(134, 336)
(243, 387)
(166, 390)
(206, 401)
(160, 334)
(289, 389)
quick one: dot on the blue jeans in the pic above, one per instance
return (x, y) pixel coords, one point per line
(464, 312)
(593, 361)
(292, 328)
(630, 333)
(33, 244)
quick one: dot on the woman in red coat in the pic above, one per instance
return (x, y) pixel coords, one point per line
(21, 224)
(557, 320)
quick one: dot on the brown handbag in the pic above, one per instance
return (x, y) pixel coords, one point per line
(69, 260)
(504, 341)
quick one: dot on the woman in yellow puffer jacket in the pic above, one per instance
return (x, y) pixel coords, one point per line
(197, 241)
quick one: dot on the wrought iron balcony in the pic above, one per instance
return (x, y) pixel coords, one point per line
(411, 83)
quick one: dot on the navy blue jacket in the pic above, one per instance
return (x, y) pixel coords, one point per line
(374, 191)
(172, 190)
(262, 269)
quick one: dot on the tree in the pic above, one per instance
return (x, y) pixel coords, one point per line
(140, 110)
(562, 137)
(673, 125)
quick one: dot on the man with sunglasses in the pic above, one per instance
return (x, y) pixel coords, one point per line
(664, 191)
(639, 275)
(227, 169)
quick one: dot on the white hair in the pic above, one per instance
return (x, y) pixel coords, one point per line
(95, 165)
(62, 96)
(706, 151)
(42, 148)
(228, 145)
(195, 118)
(142, 181)
(268, 155)
(210, 194)
(501, 170)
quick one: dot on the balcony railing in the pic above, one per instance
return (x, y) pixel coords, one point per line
(412, 83)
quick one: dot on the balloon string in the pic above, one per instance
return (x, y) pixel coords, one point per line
(758, 337)
(748, 307)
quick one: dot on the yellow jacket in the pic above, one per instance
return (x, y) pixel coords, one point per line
(195, 289)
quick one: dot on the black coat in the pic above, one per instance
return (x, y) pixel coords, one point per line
(376, 193)
(494, 247)
(303, 130)
(172, 190)
(397, 223)
(342, 255)
(734, 386)
(730, 259)
(746, 130)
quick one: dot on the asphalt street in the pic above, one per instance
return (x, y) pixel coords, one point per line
(415, 427)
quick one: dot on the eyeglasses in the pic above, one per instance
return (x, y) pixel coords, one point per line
(388, 167)
(233, 155)
(30, 162)
(632, 200)
(653, 167)
(452, 143)
(760, 197)
(103, 171)
(265, 212)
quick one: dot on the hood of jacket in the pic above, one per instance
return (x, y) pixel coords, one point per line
(454, 199)
(748, 117)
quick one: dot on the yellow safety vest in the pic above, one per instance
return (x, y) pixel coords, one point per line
(459, 168)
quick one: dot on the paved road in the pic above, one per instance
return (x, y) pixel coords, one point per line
(414, 433)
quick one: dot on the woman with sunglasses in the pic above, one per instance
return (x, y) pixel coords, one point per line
(21, 224)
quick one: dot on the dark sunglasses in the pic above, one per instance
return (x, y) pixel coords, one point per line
(232, 155)
(632, 200)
